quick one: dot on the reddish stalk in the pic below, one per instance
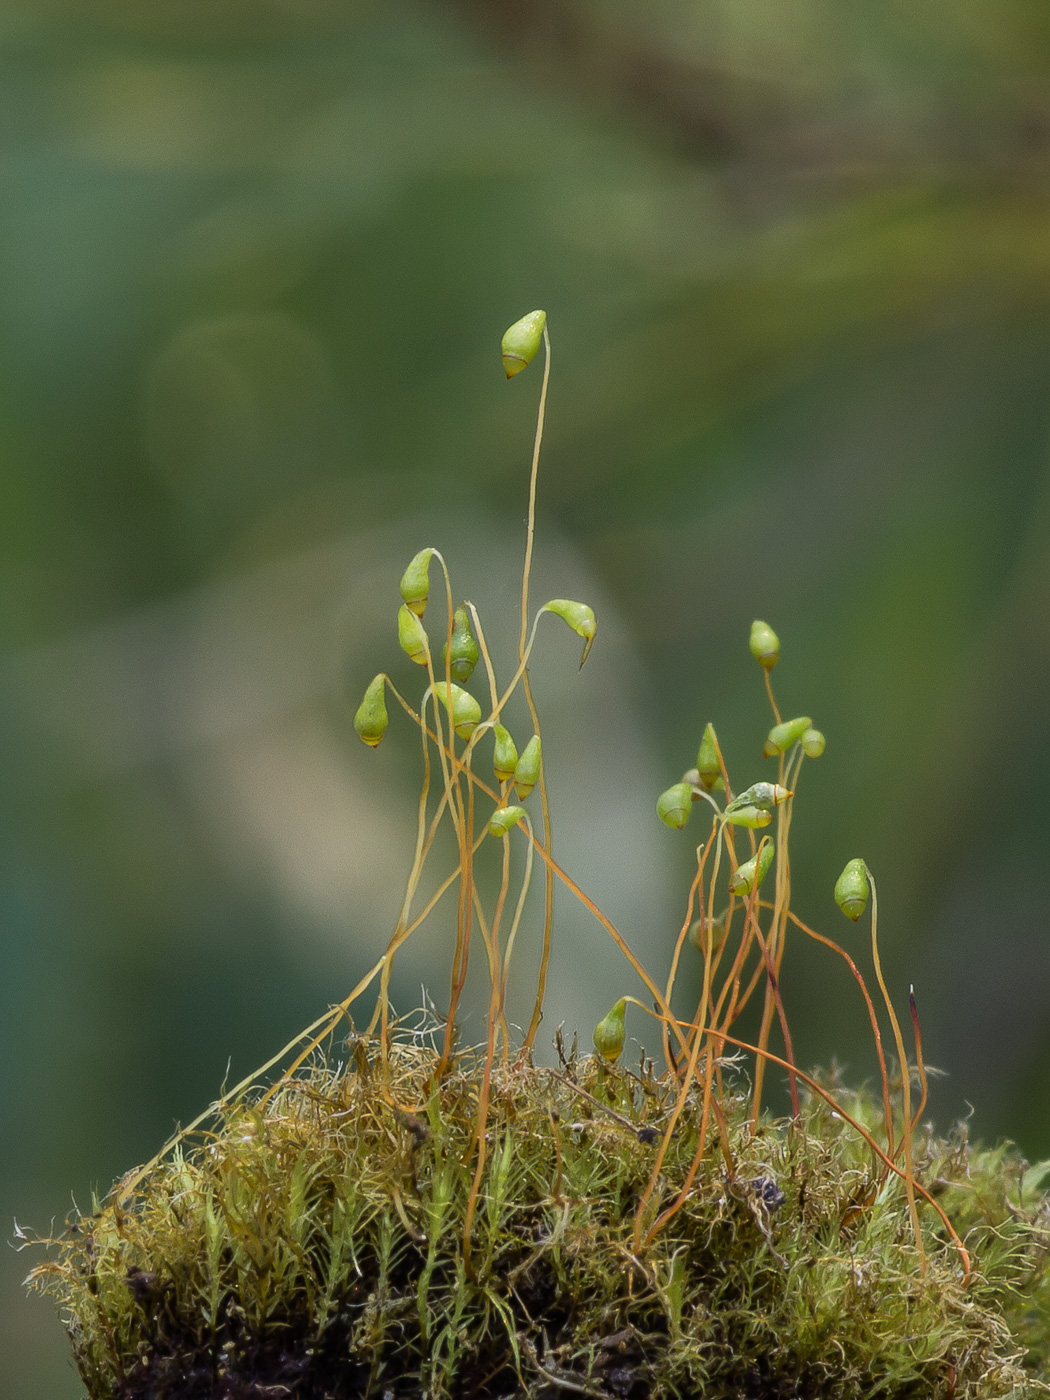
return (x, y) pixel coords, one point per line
(887, 1109)
(923, 1081)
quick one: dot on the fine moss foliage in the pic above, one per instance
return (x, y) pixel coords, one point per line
(313, 1247)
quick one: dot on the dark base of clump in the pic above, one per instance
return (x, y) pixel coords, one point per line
(313, 1246)
(277, 1367)
(284, 1366)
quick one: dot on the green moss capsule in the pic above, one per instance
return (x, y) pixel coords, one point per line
(503, 819)
(371, 719)
(852, 889)
(705, 934)
(674, 806)
(415, 582)
(527, 769)
(749, 876)
(813, 743)
(504, 754)
(765, 644)
(782, 736)
(465, 710)
(754, 818)
(708, 767)
(464, 651)
(764, 795)
(611, 1031)
(522, 341)
(579, 617)
(411, 636)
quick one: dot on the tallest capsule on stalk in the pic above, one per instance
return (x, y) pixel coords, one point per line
(522, 341)
(765, 644)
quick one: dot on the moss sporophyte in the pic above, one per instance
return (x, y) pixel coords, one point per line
(383, 1212)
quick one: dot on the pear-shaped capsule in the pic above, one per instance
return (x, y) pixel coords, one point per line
(527, 769)
(749, 876)
(852, 889)
(522, 341)
(580, 618)
(415, 582)
(371, 719)
(764, 795)
(610, 1032)
(708, 767)
(813, 743)
(503, 819)
(674, 806)
(411, 636)
(464, 649)
(704, 934)
(782, 736)
(504, 754)
(765, 644)
(754, 818)
(465, 710)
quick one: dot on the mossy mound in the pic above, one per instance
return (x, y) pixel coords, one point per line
(312, 1246)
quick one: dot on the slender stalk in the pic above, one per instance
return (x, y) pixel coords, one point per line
(924, 1082)
(909, 1176)
(887, 1109)
(782, 888)
(695, 890)
(774, 986)
(672, 1122)
(548, 832)
(663, 1010)
(694, 1165)
(479, 632)
(516, 921)
(769, 692)
(533, 477)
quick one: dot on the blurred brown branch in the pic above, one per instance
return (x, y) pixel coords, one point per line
(836, 125)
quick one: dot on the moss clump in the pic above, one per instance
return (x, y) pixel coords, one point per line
(313, 1245)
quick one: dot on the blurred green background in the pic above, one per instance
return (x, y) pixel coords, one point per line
(257, 258)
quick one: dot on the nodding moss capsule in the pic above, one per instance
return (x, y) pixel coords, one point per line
(765, 644)
(707, 764)
(415, 582)
(464, 709)
(813, 743)
(749, 876)
(852, 889)
(522, 341)
(504, 754)
(782, 736)
(527, 769)
(705, 933)
(754, 818)
(371, 719)
(503, 819)
(763, 795)
(674, 806)
(610, 1032)
(579, 617)
(464, 651)
(411, 636)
